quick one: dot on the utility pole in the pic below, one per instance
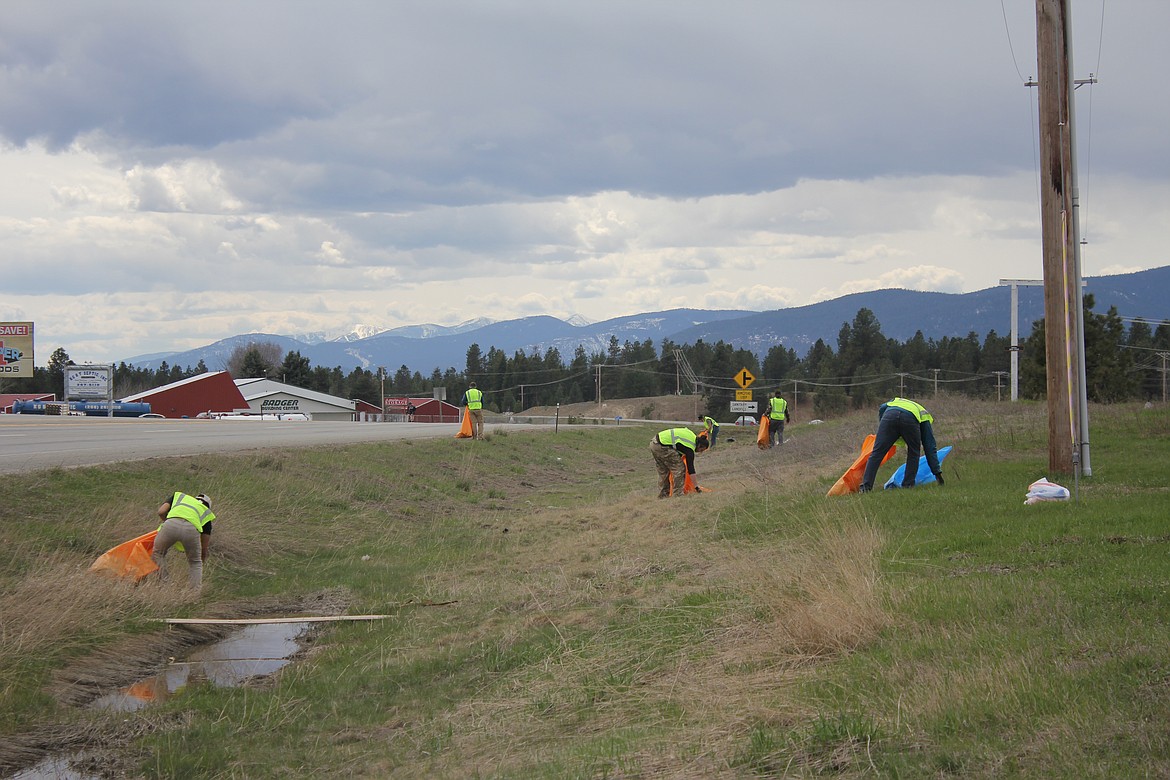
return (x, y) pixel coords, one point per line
(1164, 356)
(1015, 284)
(1059, 211)
(382, 390)
(1076, 241)
(936, 370)
(598, 389)
(685, 365)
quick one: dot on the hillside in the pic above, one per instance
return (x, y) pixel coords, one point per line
(663, 407)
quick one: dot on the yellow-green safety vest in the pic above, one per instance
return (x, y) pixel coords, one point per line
(672, 436)
(776, 408)
(191, 509)
(474, 398)
(916, 409)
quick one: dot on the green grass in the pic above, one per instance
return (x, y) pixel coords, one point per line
(760, 630)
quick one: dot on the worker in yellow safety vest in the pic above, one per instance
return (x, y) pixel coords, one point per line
(674, 456)
(908, 421)
(473, 400)
(711, 427)
(777, 413)
(186, 521)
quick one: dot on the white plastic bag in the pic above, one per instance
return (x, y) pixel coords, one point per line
(1043, 490)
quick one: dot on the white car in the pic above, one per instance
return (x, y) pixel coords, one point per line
(746, 419)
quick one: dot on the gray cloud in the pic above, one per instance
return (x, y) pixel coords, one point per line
(401, 104)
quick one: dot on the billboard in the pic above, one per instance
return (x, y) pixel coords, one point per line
(16, 349)
(89, 382)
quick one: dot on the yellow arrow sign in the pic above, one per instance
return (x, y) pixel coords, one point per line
(744, 378)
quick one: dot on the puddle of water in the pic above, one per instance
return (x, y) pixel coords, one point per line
(55, 768)
(254, 651)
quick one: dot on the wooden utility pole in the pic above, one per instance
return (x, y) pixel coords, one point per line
(1164, 356)
(1062, 293)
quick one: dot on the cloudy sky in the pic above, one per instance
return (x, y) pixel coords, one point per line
(176, 173)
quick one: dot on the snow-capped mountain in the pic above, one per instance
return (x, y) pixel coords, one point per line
(901, 313)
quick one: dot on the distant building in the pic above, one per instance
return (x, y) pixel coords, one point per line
(425, 410)
(267, 396)
(213, 391)
(365, 410)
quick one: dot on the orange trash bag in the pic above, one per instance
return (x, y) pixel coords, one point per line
(850, 481)
(128, 559)
(762, 437)
(465, 431)
(688, 485)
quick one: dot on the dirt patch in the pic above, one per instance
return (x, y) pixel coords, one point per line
(95, 741)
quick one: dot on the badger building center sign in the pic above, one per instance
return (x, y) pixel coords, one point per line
(16, 349)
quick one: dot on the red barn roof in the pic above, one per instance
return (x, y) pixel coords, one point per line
(214, 391)
(365, 406)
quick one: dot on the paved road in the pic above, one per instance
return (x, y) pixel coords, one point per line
(33, 442)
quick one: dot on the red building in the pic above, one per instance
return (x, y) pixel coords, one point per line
(366, 408)
(425, 409)
(214, 391)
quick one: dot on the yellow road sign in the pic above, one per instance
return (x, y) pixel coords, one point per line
(743, 395)
(744, 378)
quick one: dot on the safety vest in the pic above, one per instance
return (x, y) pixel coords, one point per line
(777, 407)
(191, 509)
(709, 423)
(916, 409)
(672, 436)
(474, 398)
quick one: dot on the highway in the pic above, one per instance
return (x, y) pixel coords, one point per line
(34, 442)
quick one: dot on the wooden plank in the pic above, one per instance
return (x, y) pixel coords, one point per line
(261, 621)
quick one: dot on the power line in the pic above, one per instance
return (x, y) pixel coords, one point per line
(1011, 48)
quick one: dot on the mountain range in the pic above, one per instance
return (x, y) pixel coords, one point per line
(901, 313)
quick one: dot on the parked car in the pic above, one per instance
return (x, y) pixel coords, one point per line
(746, 419)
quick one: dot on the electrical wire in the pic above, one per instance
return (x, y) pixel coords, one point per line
(1007, 30)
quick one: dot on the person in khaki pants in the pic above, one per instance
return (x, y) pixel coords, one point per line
(674, 456)
(186, 521)
(473, 400)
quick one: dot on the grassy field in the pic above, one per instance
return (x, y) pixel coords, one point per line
(551, 618)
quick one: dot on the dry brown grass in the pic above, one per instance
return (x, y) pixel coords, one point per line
(785, 606)
(799, 601)
(60, 602)
(612, 559)
(100, 630)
